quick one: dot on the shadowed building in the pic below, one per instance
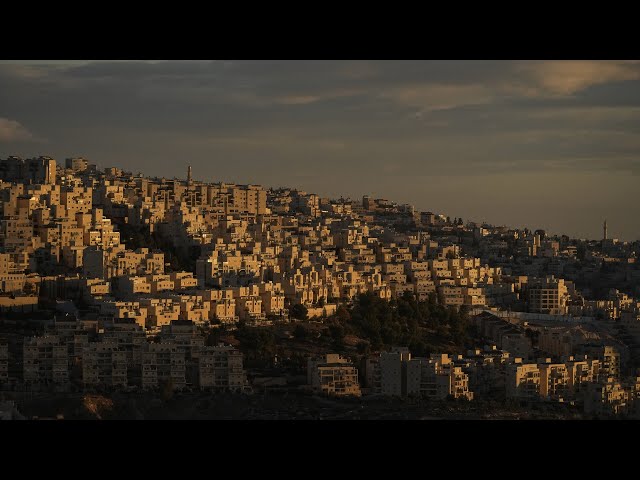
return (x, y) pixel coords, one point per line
(333, 375)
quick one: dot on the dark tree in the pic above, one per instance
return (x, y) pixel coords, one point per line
(300, 333)
(299, 311)
(343, 314)
(363, 348)
(337, 332)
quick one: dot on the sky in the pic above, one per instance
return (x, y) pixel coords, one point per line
(538, 144)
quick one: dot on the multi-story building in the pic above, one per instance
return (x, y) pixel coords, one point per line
(221, 368)
(610, 359)
(582, 371)
(31, 170)
(437, 378)
(554, 381)
(104, 364)
(185, 335)
(46, 361)
(131, 338)
(393, 372)
(606, 398)
(12, 277)
(333, 375)
(163, 365)
(548, 295)
(523, 381)
(77, 164)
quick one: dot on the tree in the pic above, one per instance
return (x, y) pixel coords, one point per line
(257, 343)
(363, 348)
(376, 342)
(343, 314)
(213, 337)
(300, 333)
(419, 348)
(299, 311)
(337, 332)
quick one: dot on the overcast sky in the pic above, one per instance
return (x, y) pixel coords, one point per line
(541, 144)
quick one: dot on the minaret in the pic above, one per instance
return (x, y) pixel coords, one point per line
(189, 175)
(605, 229)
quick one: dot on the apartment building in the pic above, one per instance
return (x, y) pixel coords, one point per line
(104, 364)
(523, 381)
(554, 381)
(163, 364)
(582, 371)
(547, 295)
(185, 335)
(607, 397)
(333, 375)
(609, 357)
(393, 372)
(221, 368)
(436, 378)
(45, 361)
(77, 164)
(31, 170)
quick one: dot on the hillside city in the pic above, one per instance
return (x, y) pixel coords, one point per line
(126, 296)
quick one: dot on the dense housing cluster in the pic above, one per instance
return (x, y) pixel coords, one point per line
(128, 273)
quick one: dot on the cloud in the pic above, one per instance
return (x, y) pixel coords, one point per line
(461, 115)
(448, 89)
(13, 131)
(299, 99)
(570, 77)
(433, 97)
